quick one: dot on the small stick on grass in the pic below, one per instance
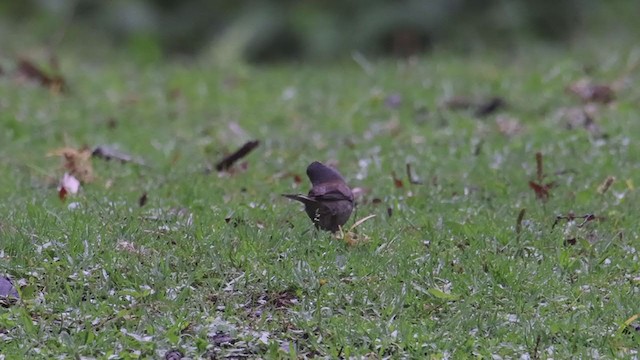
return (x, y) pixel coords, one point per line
(519, 222)
(228, 161)
(606, 184)
(539, 171)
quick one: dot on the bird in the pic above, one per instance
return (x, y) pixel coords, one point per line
(329, 203)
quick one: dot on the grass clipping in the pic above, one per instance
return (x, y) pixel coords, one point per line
(351, 237)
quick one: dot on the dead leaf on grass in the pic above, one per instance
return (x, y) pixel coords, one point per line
(351, 237)
(541, 189)
(29, 71)
(509, 126)
(396, 181)
(588, 91)
(582, 117)
(77, 162)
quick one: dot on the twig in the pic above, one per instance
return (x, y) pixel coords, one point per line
(228, 161)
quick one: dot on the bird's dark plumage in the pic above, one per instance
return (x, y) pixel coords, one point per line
(330, 202)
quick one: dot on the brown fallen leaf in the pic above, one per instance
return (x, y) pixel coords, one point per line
(587, 91)
(351, 237)
(77, 162)
(508, 126)
(541, 190)
(582, 118)
(28, 70)
(228, 161)
(396, 181)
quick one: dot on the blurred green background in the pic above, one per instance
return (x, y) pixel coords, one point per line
(303, 30)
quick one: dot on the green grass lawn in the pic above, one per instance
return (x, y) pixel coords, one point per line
(218, 265)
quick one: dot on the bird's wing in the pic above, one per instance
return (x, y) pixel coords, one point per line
(331, 192)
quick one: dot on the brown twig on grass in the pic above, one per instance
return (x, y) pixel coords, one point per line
(228, 161)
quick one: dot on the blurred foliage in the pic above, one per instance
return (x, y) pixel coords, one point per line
(262, 31)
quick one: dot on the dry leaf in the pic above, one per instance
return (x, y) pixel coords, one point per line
(508, 126)
(590, 92)
(582, 117)
(351, 237)
(541, 190)
(396, 181)
(76, 162)
(29, 71)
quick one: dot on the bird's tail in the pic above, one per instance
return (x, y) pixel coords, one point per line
(302, 198)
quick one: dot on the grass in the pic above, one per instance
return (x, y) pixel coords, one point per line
(219, 265)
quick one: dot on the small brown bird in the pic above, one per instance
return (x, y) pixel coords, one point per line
(330, 202)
